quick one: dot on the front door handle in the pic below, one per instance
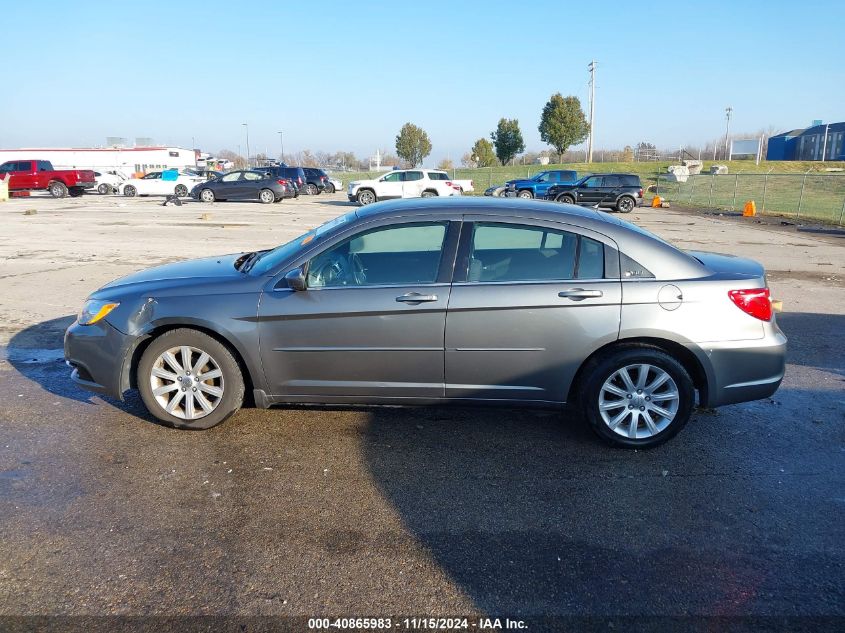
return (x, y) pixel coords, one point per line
(415, 297)
(579, 294)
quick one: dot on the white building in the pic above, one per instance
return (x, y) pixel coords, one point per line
(128, 160)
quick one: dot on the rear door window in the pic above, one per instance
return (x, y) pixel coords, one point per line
(411, 176)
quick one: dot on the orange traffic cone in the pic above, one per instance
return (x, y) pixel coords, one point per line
(750, 209)
(656, 202)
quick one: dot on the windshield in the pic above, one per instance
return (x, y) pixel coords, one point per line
(269, 260)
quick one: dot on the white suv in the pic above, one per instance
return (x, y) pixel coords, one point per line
(403, 183)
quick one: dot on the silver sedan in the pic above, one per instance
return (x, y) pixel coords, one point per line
(443, 301)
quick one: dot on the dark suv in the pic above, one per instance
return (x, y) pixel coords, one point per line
(296, 175)
(622, 192)
(316, 180)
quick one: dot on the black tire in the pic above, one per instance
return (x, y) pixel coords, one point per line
(330, 188)
(525, 194)
(565, 199)
(625, 204)
(311, 189)
(129, 191)
(76, 192)
(232, 379)
(266, 196)
(366, 196)
(428, 194)
(104, 189)
(181, 191)
(207, 195)
(604, 367)
(57, 189)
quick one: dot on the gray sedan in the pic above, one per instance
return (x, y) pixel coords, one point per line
(427, 302)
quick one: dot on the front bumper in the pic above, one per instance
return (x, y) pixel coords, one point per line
(97, 354)
(741, 371)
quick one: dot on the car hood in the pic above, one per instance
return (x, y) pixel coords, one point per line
(208, 268)
(521, 181)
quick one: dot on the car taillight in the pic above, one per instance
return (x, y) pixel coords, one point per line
(753, 301)
(640, 193)
(282, 181)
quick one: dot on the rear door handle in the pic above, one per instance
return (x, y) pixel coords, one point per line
(415, 297)
(578, 294)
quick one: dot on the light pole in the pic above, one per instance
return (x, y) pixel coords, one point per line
(728, 112)
(282, 145)
(592, 68)
(247, 144)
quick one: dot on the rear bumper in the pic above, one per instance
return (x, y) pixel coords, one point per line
(741, 371)
(84, 185)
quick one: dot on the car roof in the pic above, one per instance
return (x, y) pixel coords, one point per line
(660, 257)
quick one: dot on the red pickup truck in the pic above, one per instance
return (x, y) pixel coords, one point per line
(32, 175)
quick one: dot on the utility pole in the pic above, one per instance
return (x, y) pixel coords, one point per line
(592, 69)
(247, 144)
(824, 146)
(282, 144)
(728, 112)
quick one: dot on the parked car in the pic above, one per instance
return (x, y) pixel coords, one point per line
(244, 185)
(160, 183)
(622, 192)
(315, 180)
(539, 184)
(333, 185)
(108, 182)
(295, 175)
(39, 175)
(464, 186)
(402, 183)
(442, 301)
(496, 190)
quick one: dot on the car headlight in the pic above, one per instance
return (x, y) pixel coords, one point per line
(95, 310)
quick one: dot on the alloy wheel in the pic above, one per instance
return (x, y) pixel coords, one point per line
(187, 382)
(640, 407)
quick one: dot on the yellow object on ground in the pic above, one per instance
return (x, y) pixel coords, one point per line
(750, 209)
(655, 202)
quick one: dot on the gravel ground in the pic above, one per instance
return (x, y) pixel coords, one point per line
(384, 511)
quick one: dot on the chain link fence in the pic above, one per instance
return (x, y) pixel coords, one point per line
(801, 196)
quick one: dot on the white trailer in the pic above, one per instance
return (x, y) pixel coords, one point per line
(128, 160)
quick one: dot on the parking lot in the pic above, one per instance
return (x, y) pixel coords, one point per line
(388, 511)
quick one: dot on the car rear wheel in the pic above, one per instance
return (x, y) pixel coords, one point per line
(207, 195)
(637, 397)
(525, 194)
(189, 380)
(57, 189)
(625, 204)
(366, 196)
(428, 194)
(330, 188)
(266, 196)
(565, 199)
(311, 189)
(103, 189)
(181, 191)
(130, 191)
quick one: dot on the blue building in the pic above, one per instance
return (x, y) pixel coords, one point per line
(809, 143)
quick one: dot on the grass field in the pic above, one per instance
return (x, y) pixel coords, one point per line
(774, 186)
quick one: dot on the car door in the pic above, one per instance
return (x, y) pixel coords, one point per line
(24, 176)
(250, 185)
(544, 182)
(589, 191)
(149, 185)
(611, 186)
(389, 186)
(412, 184)
(530, 302)
(370, 323)
(227, 187)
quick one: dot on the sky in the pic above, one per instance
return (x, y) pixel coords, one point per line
(347, 75)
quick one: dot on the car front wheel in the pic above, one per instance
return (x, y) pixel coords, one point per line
(189, 380)
(564, 199)
(129, 191)
(207, 195)
(525, 194)
(637, 397)
(366, 197)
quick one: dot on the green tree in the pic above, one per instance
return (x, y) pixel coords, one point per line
(563, 123)
(507, 138)
(445, 164)
(483, 154)
(412, 144)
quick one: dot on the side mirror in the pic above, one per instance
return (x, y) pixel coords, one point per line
(296, 279)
